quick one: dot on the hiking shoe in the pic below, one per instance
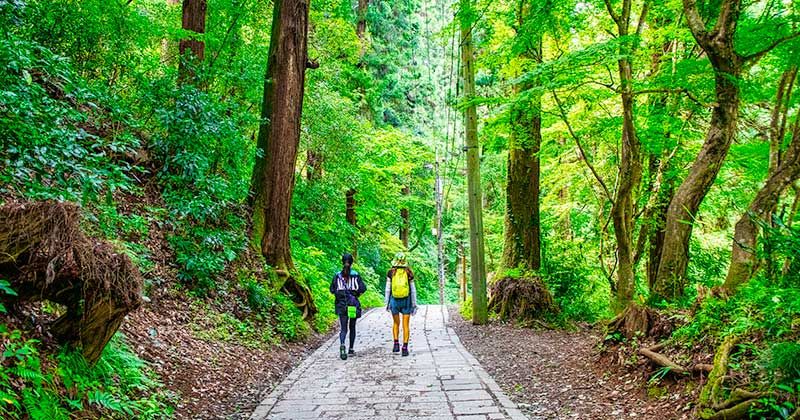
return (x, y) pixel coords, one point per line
(351, 352)
(405, 349)
(396, 347)
(342, 353)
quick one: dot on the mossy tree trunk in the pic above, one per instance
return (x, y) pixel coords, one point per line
(744, 259)
(718, 43)
(467, 18)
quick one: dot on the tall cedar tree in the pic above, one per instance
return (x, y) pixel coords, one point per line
(522, 239)
(272, 182)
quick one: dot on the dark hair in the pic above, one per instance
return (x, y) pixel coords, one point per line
(347, 262)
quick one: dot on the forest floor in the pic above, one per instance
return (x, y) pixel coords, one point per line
(563, 375)
(215, 378)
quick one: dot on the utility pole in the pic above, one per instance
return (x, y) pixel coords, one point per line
(478, 267)
(439, 241)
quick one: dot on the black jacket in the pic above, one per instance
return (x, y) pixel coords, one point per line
(349, 294)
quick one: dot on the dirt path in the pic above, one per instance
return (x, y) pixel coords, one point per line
(559, 375)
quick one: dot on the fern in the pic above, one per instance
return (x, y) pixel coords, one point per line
(42, 404)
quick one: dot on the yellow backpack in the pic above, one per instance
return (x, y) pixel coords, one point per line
(400, 288)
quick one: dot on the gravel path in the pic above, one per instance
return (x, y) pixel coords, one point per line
(439, 380)
(559, 375)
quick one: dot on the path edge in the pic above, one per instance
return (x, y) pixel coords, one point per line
(265, 406)
(509, 406)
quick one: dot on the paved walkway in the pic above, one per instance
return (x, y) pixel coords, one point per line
(439, 380)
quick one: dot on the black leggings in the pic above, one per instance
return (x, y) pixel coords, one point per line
(343, 324)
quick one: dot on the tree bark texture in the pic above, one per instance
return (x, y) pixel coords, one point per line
(477, 266)
(278, 140)
(630, 165)
(718, 45)
(194, 20)
(744, 259)
(522, 236)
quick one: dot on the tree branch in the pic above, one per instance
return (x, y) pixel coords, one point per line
(611, 13)
(752, 58)
(642, 16)
(584, 156)
(696, 23)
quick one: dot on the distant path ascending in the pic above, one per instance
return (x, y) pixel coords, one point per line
(439, 380)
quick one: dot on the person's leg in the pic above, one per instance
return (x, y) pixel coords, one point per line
(396, 331)
(352, 334)
(406, 330)
(342, 335)
(406, 333)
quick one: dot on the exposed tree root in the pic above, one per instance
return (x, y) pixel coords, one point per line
(739, 402)
(524, 299)
(666, 362)
(45, 256)
(640, 319)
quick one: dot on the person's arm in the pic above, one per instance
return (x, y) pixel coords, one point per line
(333, 285)
(413, 294)
(388, 290)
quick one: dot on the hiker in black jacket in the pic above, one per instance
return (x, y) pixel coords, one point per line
(347, 286)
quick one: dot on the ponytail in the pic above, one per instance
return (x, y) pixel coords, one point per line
(347, 262)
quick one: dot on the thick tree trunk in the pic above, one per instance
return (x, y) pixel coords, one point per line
(522, 245)
(478, 267)
(192, 51)
(718, 45)
(743, 256)
(671, 278)
(278, 138)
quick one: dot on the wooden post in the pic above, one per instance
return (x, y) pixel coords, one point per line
(462, 278)
(439, 239)
(478, 267)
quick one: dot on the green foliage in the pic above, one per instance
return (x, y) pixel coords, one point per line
(784, 358)
(61, 139)
(465, 308)
(758, 308)
(289, 319)
(120, 385)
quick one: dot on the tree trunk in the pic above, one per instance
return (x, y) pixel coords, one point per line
(522, 239)
(478, 267)
(630, 166)
(718, 45)
(350, 216)
(404, 220)
(314, 165)
(194, 20)
(278, 138)
(743, 256)
(361, 23)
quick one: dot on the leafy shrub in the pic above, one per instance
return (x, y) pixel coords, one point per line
(785, 358)
(60, 139)
(289, 319)
(465, 308)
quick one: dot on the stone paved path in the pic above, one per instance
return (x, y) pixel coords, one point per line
(439, 380)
